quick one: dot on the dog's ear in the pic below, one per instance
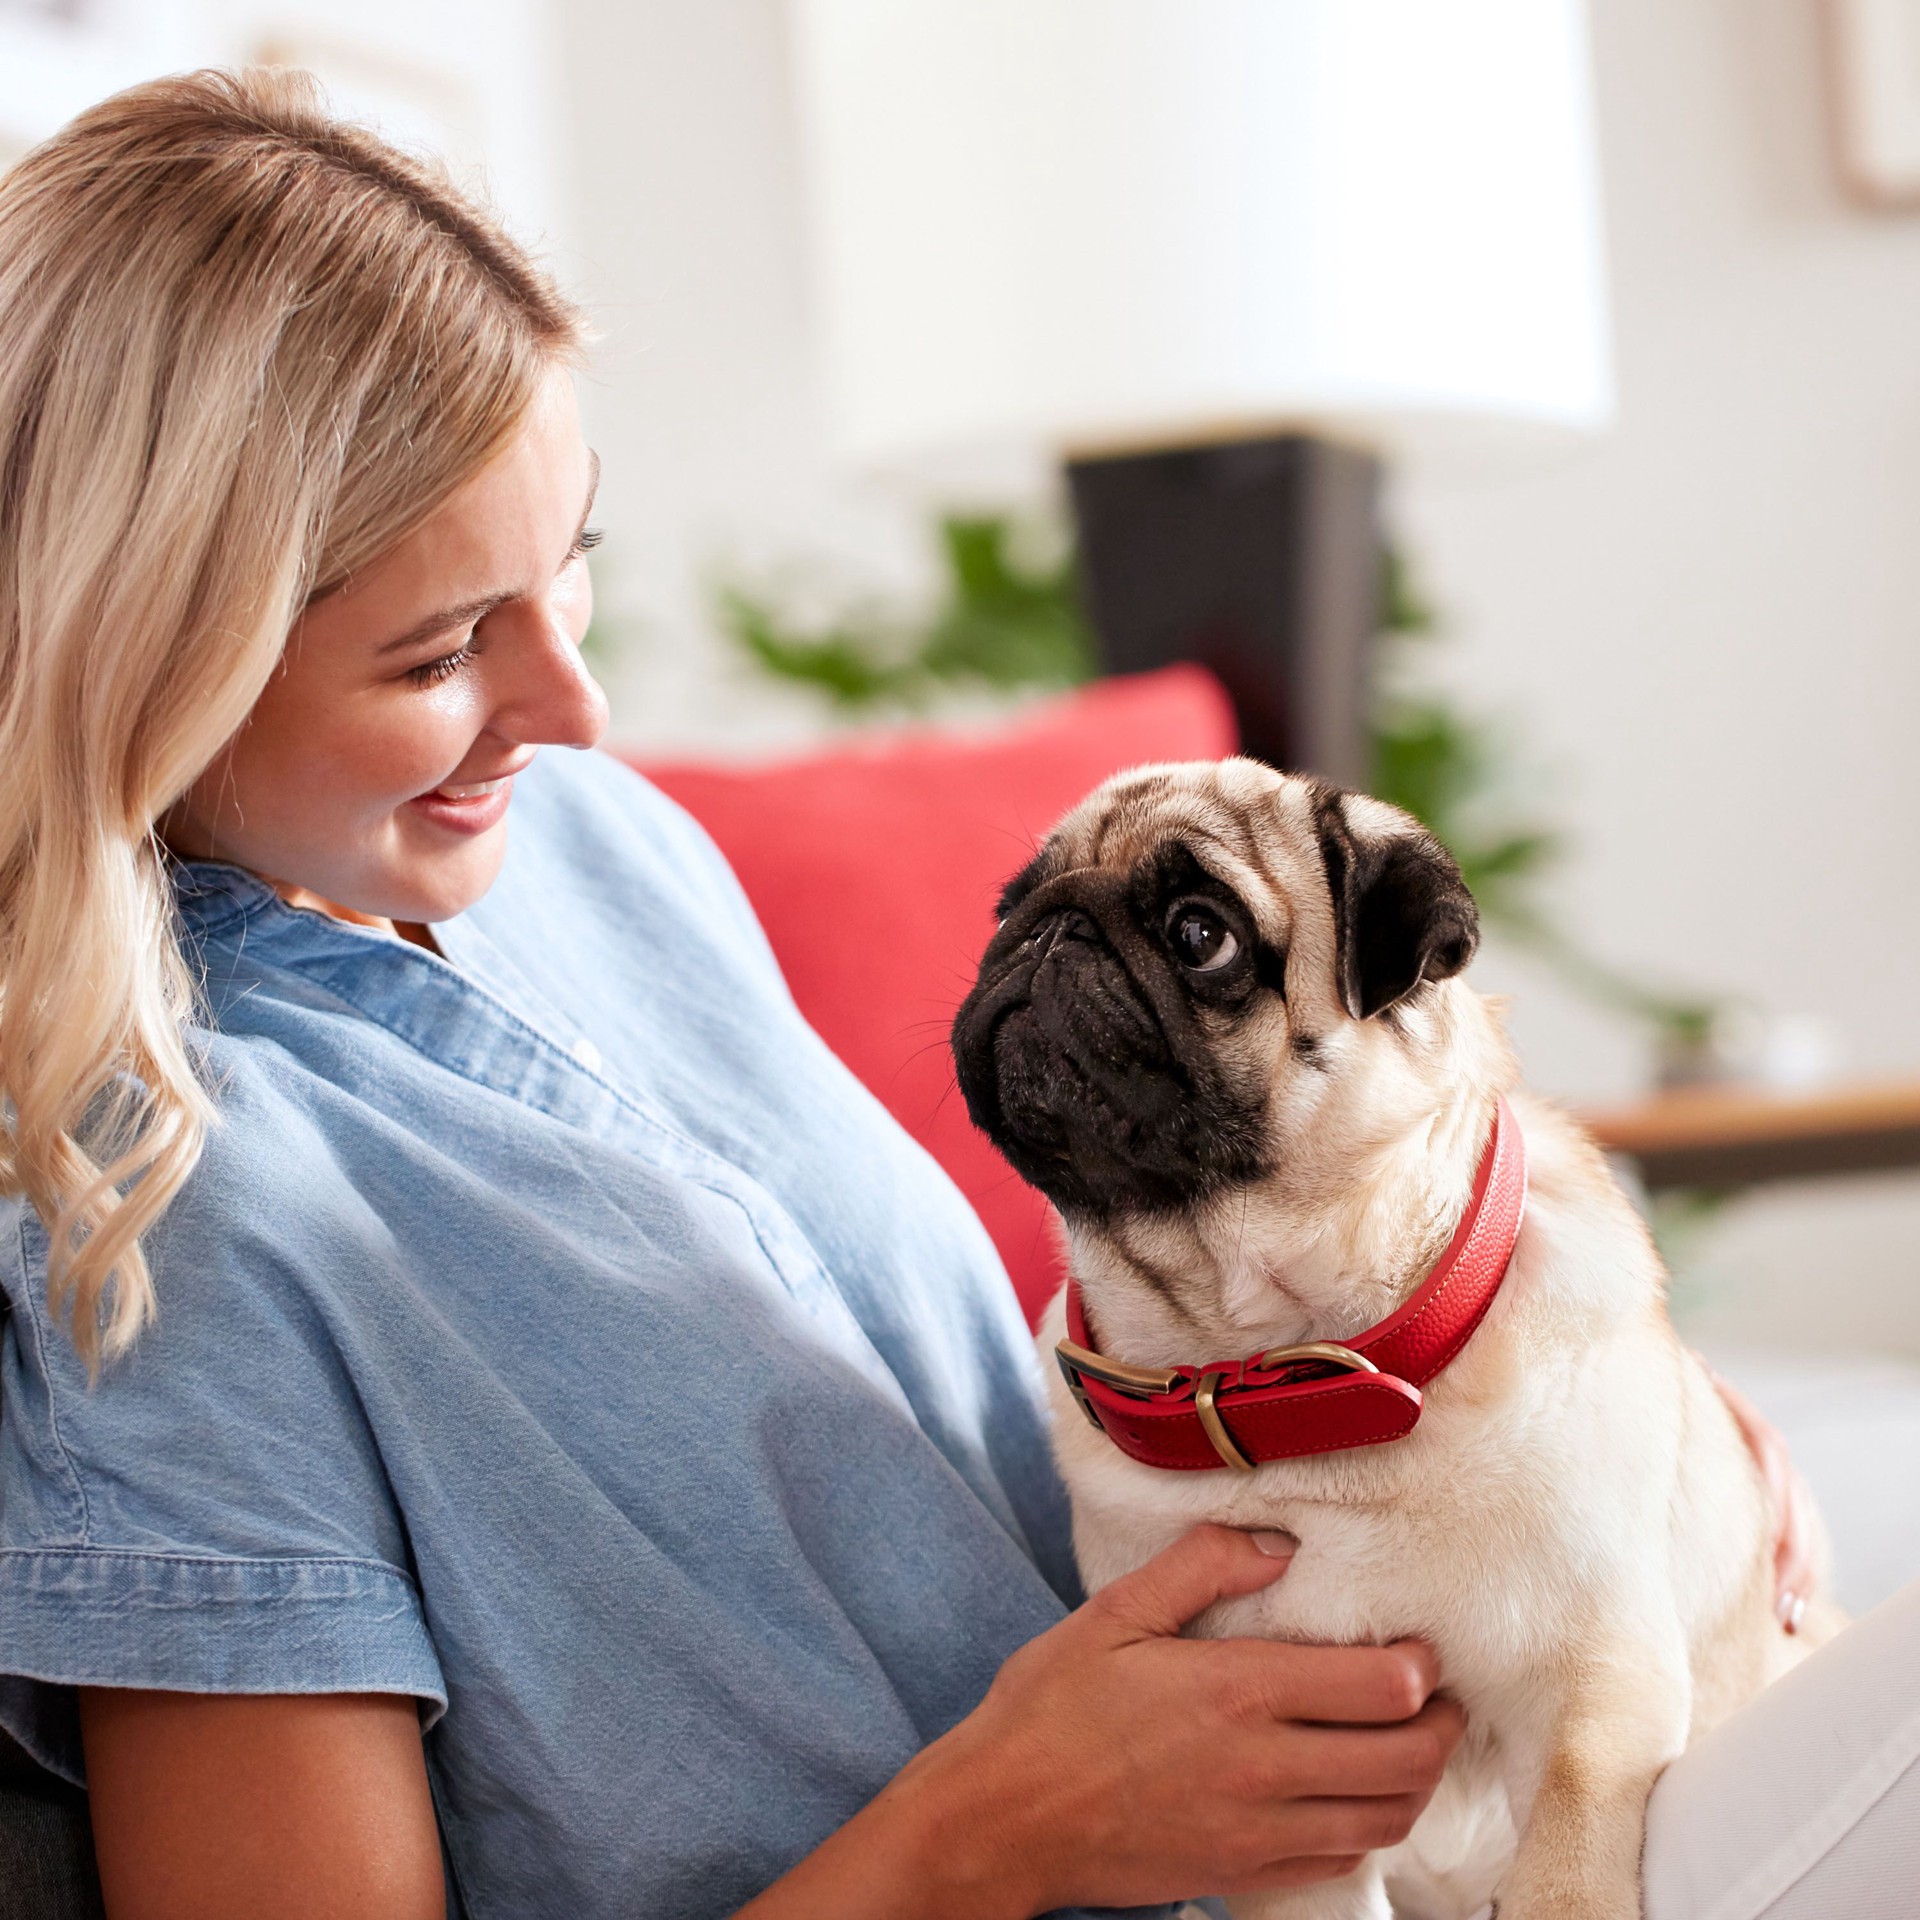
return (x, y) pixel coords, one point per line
(1401, 913)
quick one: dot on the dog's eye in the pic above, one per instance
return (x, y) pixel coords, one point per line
(1200, 939)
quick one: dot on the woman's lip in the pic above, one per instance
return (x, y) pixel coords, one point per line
(470, 789)
(471, 807)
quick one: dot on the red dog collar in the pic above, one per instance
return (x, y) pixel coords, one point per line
(1321, 1397)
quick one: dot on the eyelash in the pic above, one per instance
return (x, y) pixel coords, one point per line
(433, 672)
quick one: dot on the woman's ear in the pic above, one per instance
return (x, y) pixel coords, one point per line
(1402, 915)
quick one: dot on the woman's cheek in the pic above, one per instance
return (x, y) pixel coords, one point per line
(425, 738)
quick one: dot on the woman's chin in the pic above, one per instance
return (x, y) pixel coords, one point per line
(430, 881)
(447, 896)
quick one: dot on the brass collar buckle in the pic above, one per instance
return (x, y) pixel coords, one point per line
(1139, 1383)
(1079, 1364)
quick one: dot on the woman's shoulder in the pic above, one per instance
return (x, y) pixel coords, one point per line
(269, 1218)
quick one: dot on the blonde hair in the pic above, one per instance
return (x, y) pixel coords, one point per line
(244, 348)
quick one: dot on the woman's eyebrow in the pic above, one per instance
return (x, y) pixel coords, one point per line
(468, 611)
(455, 616)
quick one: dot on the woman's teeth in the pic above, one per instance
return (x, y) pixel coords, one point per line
(475, 790)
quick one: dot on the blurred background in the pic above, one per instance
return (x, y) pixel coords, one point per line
(1557, 365)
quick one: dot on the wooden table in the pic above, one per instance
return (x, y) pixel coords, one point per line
(1720, 1138)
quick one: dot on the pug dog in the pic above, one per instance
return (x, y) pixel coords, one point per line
(1333, 1273)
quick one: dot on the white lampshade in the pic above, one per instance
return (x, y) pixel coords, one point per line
(1099, 224)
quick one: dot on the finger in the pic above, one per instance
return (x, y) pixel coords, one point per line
(1208, 1564)
(1330, 1828)
(1298, 1873)
(1343, 1686)
(1793, 1559)
(1763, 1440)
(1789, 1503)
(1367, 1762)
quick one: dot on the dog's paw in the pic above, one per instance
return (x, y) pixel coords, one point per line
(1565, 1901)
(1537, 1888)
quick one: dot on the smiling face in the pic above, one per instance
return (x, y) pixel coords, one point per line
(375, 771)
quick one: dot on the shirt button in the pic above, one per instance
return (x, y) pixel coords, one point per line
(587, 1054)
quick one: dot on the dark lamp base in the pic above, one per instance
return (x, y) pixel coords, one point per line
(1258, 558)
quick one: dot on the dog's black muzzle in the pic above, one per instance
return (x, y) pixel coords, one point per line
(1079, 1056)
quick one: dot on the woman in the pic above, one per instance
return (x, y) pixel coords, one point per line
(492, 1410)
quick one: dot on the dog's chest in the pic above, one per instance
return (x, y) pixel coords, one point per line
(1373, 1575)
(1429, 1541)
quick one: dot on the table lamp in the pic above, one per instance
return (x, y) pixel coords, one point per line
(1220, 257)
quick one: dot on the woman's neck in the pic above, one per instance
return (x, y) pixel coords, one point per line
(187, 846)
(414, 931)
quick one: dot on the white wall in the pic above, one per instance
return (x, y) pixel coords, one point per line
(475, 79)
(1708, 625)
(702, 403)
(1713, 621)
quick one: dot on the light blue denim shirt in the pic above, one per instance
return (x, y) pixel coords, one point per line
(556, 1332)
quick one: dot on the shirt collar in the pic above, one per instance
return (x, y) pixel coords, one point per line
(211, 895)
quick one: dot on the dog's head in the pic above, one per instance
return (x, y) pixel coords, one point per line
(1201, 961)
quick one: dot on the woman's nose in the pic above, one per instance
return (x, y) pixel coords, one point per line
(541, 690)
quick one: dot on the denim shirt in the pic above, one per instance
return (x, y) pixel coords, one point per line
(558, 1333)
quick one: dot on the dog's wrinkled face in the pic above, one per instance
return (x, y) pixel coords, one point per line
(1189, 940)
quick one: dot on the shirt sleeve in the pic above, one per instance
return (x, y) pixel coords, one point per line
(211, 1514)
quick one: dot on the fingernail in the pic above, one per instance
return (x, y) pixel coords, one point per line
(1275, 1545)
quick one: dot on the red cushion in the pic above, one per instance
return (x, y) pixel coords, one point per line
(874, 869)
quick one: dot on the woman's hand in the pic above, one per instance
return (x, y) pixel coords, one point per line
(1789, 1500)
(1113, 1763)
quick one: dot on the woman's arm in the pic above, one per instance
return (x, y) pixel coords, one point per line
(1113, 1763)
(260, 1807)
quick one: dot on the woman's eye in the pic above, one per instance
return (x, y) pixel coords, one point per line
(432, 672)
(1202, 941)
(590, 537)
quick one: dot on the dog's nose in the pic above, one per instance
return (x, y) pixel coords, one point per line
(1068, 924)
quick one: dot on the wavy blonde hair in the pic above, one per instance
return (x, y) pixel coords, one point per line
(245, 347)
